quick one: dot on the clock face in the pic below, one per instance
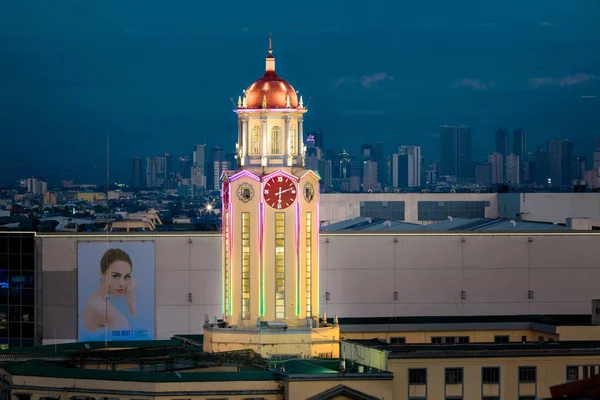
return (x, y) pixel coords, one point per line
(279, 192)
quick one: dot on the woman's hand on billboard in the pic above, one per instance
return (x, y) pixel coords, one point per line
(130, 295)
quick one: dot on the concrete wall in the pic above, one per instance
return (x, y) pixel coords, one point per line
(184, 264)
(361, 272)
(337, 207)
(557, 207)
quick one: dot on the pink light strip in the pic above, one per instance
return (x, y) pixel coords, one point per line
(280, 173)
(316, 263)
(242, 174)
(231, 252)
(261, 278)
(260, 110)
(297, 243)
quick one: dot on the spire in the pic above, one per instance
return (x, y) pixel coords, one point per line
(270, 59)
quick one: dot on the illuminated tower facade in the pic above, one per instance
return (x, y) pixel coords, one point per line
(270, 242)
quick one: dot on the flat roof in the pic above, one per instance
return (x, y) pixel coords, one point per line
(551, 320)
(483, 350)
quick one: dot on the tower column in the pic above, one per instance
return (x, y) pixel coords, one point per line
(264, 141)
(288, 156)
(301, 138)
(244, 136)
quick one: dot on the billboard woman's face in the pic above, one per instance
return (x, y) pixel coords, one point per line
(117, 277)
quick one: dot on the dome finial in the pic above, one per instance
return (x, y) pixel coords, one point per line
(270, 59)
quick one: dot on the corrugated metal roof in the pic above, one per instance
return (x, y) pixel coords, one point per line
(454, 224)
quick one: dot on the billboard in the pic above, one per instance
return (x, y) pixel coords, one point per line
(115, 290)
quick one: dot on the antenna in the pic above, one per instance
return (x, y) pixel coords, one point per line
(106, 241)
(270, 43)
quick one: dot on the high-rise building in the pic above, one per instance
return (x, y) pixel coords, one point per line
(579, 167)
(185, 167)
(318, 138)
(136, 179)
(464, 163)
(447, 150)
(325, 170)
(502, 146)
(369, 182)
(345, 161)
(155, 171)
(520, 144)
(513, 168)
(596, 164)
(541, 167)
(560, 162)
(413, 165)
(381, 164)
(483, 174)
(216, 166)
(199, 157)
(455, 151)
(399, 169)
(169, 166)
(496, 162)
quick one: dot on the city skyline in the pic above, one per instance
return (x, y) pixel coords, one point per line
(153, 89)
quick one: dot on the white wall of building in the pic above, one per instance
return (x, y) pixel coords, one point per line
(335, 207)
(550, 207)
(361, 272)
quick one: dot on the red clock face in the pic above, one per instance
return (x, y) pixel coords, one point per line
(279, 192)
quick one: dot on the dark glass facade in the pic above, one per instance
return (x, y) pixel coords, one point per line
(441, 210)
(17, 289)
(391, 210)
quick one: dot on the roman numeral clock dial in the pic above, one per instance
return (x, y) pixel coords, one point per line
(279, 192)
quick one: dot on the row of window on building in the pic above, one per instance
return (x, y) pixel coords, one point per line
(397, 340)
(426, 210)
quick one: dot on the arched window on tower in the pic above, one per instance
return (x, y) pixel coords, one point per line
(255, 148)
(293, 140)
(276, 140)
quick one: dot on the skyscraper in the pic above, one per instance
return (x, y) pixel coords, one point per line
(199, 158)
(319, 136)
(513, 168)
(579, 167)
(413, 165)
(381, 164)
(464, 164)
(560, 162)
(447, 150)
(502, 141)
(520, 144)
(155, 171)
(541, 167)
(136, 179)
(496, 161)
(185, 167)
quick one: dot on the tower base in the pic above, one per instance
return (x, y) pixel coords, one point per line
(322, 342)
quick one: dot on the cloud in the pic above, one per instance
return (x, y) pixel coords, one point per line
(371, 81)
(569, 80)
(476, 84)
(550, 24)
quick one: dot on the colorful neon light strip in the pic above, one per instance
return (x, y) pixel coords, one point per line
(261, 219)
(279, 173)
(230, 212)
(316, 262)
(297, 244)
(242, 174)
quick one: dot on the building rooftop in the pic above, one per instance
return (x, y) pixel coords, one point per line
(481, 350)
(453, 224)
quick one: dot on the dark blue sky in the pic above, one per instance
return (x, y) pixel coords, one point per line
(158, 75)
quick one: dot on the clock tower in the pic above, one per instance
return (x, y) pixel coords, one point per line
(270, 234)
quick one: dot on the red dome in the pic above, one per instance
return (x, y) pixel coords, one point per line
(274, 89)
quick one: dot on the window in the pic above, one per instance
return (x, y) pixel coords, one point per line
(441, 210)
(293, 140)
(454, 376)
(226, 269)
(276, 140)
(585, 371)
(308, 264)
(527, 374)
(540, 338)
(490, 398)
(527, 398)
(524, 339)
(279, 265)
(572, 373)
(450, 339)
(490, 375)
(255, 142)
(245, 265)
(397, 340)
(417, 376)
(502, 339)
(391, 210)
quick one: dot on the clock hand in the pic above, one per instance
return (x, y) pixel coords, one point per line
(286, 190)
